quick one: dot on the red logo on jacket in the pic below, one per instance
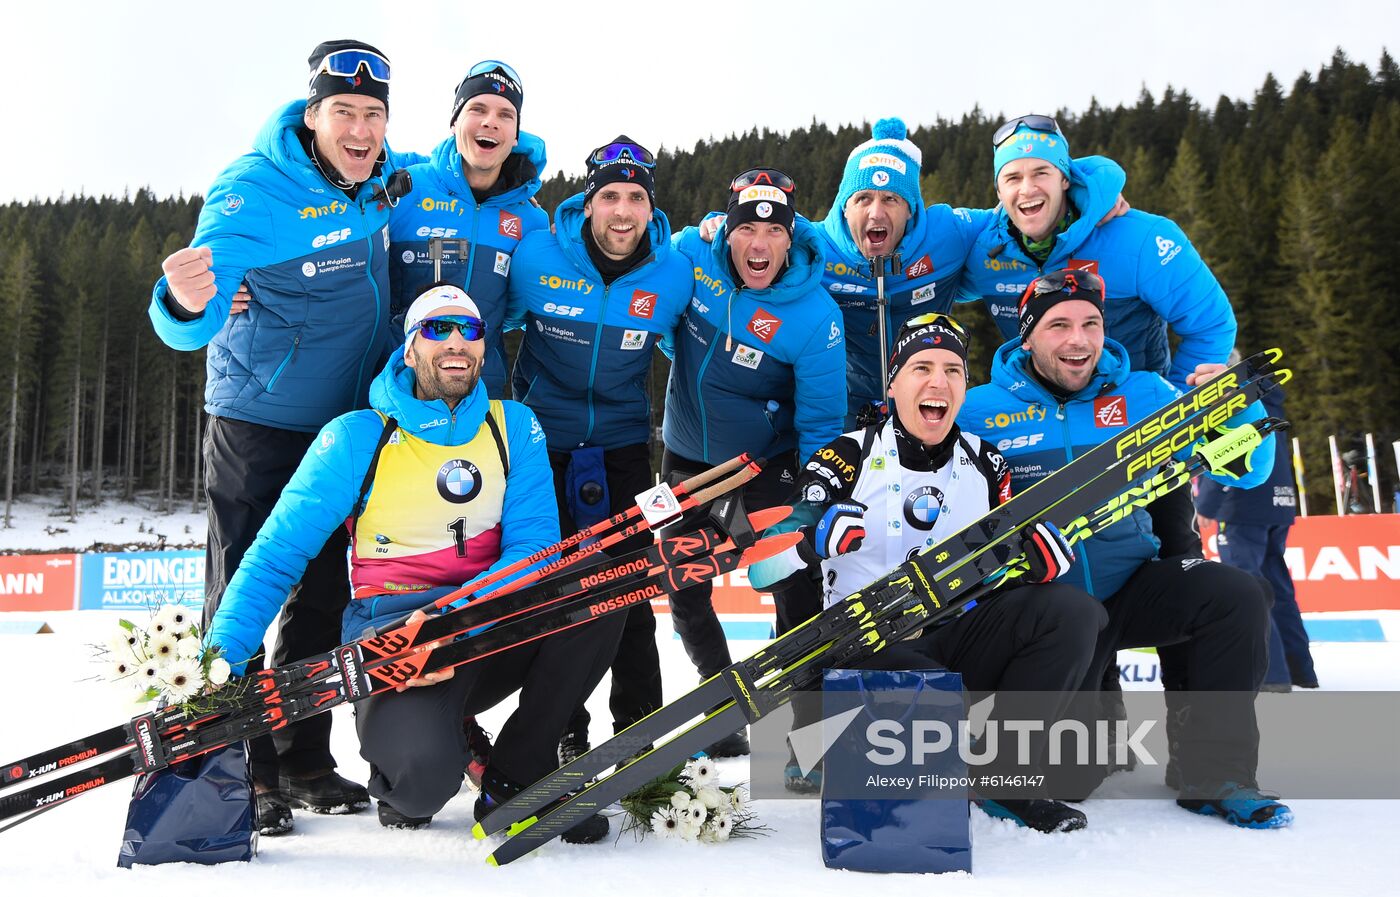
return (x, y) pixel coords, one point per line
(764, 325)
(1111, 411)
(1090, 265)
(643, 304)
(510, 225)
(920, 268)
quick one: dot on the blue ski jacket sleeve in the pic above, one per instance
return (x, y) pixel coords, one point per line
(1155, 278)
(321, 496)
(315, 264)
(586, 355)
(1272, 503)
(1038, 435)
(480, 238)
(758, 371)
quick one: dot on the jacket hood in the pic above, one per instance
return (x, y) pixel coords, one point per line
(803, 273)
(1011, 371)
(839, 232)
(568, 230)
(280, 142)
(392, 393)
(530, 148)
(1095, 183)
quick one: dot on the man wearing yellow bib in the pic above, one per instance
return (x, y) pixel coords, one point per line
(438, 486)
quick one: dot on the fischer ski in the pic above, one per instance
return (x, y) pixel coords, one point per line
(918, 593)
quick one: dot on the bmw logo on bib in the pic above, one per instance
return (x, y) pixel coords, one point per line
(458, 481)
(921, 507)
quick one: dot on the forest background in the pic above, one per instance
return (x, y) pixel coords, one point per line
(1289, 196)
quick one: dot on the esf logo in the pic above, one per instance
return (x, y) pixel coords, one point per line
(458, 481)
(555, 282)
(1011, 288)
(334, 236)
(568, 311)
(841, 287)
(426, 231)
(1023, 441)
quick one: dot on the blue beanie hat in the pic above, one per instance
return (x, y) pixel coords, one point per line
(887, 161)
(1026, 142)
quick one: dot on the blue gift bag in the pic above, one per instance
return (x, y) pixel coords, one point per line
(198, 811)
(868, 824)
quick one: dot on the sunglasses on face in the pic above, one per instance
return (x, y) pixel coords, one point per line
(345, 63)
(440, 328)
(1035, 122)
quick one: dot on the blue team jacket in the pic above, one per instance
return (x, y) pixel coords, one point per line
(1154, 277)
(315, 263)
(321, 496)
(758, 371)
(1037, 436)
(932, 254)
(587, 350)
(442, 205)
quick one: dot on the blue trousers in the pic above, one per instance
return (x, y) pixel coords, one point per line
(1259, 550)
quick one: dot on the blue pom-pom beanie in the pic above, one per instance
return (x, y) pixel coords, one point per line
(887, 161)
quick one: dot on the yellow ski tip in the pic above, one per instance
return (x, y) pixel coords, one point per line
(491, 861)
(478, 832)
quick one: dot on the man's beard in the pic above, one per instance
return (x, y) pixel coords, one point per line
(432, 385)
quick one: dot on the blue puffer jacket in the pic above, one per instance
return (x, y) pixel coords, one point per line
(932, 254)
(758, 371)
(321, 496)
(587, 350)
(442, 205)
(315, 263)
(1154, 277)
(1037, 436)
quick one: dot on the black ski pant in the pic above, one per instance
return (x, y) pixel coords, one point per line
(636, 668)
(246, 466)
(1032, 646)
(692, 612)
(1260, 550)
(414, 740)
(1214, 619)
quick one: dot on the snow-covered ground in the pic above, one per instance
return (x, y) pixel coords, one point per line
(1335, 847)
(40, 524)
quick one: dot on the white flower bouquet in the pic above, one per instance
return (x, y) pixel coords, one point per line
(166, 660)
(689, 804)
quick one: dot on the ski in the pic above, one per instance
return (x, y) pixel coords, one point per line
(533, 590)
(279, 709)
(1231, 393)
(859, 620)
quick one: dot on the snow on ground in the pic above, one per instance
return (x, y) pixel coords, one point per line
(40, 524)
(1335, 847)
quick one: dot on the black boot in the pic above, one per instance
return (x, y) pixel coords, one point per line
(325, 793)
(572, 746)
(1042, 815)
(274, 817)
(736, 745)
(391, 818)
(478, 749)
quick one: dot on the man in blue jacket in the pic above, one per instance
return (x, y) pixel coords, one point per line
(472, 205)
(760, 367)
(1061, 390)
(302, 221)
(1253, 535)
(438, 486)
(595, 297)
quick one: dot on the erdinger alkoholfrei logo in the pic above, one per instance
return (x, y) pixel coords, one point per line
(922, 506)
(458, 481)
